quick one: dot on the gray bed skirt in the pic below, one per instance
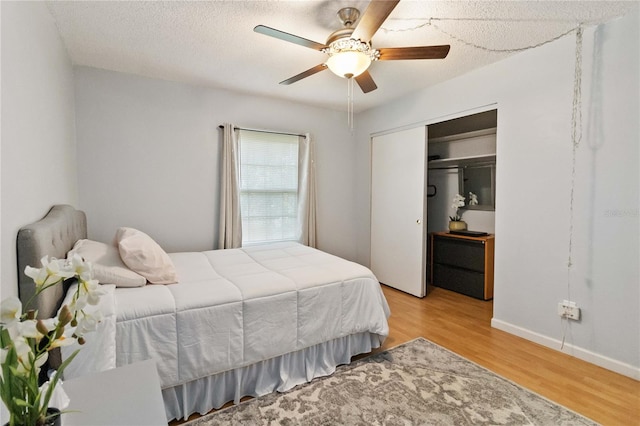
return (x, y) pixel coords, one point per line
(277, 374)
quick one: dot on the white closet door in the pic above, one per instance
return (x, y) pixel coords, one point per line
(398, 210)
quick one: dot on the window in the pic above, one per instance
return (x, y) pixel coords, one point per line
(268, 186)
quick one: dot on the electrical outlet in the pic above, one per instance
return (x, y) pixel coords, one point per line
(569, 310)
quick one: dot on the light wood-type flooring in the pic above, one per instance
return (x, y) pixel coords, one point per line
(463, 325)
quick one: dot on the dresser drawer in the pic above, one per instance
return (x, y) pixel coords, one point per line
(459, 280)
(460, 253)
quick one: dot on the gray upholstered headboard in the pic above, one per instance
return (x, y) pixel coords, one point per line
(53, 235)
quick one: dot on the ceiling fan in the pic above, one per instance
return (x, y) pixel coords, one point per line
(349, 48)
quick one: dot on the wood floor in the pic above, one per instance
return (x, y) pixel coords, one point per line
(463, 325)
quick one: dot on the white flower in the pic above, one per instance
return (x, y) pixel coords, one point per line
(89, 293)
(13, 329)
(473, 199)
(21, 346)
(51, 272)
(66, 339)
(31, 329)
(20, 330)
(93, 291)
(10, 310)
(458, 201)
(81, 268)
(27, 328)
(26, 358)
(49, 323)
(87, 323)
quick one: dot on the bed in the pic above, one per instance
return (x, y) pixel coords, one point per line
(240, 322)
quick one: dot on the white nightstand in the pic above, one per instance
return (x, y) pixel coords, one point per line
(125, 396)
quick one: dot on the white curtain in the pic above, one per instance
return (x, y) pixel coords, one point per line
(230, 230)
(306, 192)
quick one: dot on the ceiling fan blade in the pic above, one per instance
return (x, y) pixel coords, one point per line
(305, 74)
(366, 83)
(272, 32)
(376, 13)
(418, 52)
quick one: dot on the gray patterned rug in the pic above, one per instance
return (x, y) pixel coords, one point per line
(416, 383)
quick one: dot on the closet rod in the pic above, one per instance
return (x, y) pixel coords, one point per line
(445, 168)
(264, 131)
(461, 167)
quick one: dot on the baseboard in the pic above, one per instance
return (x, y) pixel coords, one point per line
(583, 354)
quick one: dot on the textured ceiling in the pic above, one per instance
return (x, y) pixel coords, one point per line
(213, 43)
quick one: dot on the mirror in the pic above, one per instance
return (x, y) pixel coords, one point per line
(480, 180)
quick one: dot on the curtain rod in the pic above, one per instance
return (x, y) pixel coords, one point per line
(264, 131)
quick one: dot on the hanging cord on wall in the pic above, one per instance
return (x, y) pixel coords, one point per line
(576, 137)
(430, 22)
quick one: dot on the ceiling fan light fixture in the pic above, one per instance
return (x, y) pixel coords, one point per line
(349, 57)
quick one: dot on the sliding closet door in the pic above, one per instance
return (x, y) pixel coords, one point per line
(398, 209)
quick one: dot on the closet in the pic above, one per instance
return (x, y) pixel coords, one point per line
(415, 173)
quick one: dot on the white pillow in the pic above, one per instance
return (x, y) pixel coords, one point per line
(108, 268)
(142, 254)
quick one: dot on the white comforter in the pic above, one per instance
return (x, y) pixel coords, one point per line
(236, 307)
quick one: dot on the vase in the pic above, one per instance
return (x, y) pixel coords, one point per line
(57, 420)
(457, 225)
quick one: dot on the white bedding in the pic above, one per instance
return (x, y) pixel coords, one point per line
(233, 308)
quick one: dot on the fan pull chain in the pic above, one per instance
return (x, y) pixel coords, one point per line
(350, 103)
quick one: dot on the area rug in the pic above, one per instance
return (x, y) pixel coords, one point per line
(416, 383)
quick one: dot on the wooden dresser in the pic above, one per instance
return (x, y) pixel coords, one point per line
(462, 263)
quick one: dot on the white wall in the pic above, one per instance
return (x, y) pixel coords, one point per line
(38, 128)
(533, 93)
(148, 157)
